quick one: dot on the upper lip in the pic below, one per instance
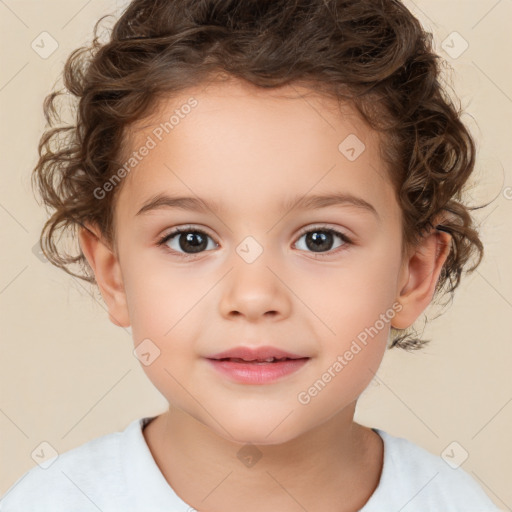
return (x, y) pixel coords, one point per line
(255, 354)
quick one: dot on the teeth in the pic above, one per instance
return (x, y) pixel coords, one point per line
(268, 360)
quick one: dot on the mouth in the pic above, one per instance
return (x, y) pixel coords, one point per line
(269, 360)
(261, 354)
(257, 371)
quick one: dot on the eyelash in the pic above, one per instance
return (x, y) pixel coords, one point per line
(191, 229)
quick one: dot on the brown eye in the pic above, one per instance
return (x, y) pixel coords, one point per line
(187, 241)
(320, 240)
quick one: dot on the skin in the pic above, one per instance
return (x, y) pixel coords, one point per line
(250, 149)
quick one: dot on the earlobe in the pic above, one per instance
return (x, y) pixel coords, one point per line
(107, 272)
(422, 272)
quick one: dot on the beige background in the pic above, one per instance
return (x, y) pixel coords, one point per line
(68, 375)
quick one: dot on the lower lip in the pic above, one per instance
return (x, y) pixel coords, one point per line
(258, 373)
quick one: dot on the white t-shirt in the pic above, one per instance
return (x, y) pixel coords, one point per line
(117, 473)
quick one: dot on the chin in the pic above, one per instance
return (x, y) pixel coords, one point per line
(258, 430)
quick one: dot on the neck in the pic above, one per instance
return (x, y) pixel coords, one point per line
(335, 466)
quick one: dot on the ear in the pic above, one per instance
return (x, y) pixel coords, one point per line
(419, 275)
(107, 272)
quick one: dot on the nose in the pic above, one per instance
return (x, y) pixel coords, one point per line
(255, 291)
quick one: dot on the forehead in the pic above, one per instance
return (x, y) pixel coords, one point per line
(240, 145)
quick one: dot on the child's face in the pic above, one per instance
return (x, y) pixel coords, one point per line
(251, 152)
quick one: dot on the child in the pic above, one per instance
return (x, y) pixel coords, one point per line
(307, 153)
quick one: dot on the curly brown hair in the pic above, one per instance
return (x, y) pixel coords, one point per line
(371, 53)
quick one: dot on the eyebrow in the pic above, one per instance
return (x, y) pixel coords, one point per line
(312, 202)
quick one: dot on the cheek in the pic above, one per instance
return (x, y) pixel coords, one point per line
(355, 309)
(352, 348)
(166, 308)
(159, 296)
(352, 296)
(339, 383)
(161, 307)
